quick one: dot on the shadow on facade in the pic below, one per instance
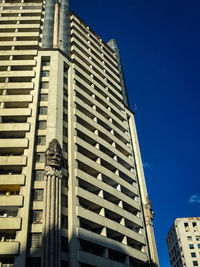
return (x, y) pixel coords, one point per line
(90, 250)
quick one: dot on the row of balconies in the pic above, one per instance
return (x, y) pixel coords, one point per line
(20, 27)
(93, 81)
(10, 200)
(110, 145)
(8, 4)
(103, 108)
(93, 253)
(103, 158)
(93, 168)
(82, 53)
(98, 128)
(81, 45)
(113, 186)
(14, 19)
(93, 111)
(96, 40)
(112, 196)
(99, 75)
(102, 94)
(108, 149)
(116, 247)
(22, 12)
(108, 72)
(104, 226)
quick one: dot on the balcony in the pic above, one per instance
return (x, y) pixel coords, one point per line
(12, 179)
(15, 112)
(9, 248)
(16, 100)
(12, 201)
(13, 143)
(13, 160)
(14, 127)
(10, 223)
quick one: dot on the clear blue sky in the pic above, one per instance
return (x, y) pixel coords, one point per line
(159, 42)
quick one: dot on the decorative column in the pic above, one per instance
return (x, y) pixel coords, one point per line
(149, 216)
(51, 245)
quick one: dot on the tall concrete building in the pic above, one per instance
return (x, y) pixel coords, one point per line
(183, 242)
(72, 188)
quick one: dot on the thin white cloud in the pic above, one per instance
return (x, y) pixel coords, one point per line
(194, 199)
(147, 165)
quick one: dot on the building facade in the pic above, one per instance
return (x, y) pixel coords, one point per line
(183, 242)
(72, 187)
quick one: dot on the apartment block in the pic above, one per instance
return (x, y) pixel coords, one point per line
(183, 242)
(72, 187)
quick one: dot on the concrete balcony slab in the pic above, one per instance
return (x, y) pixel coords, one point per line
(11, 201)
(10, 223)
(9, 248)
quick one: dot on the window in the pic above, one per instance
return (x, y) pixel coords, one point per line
(191, 246)
(193, 254)
(65, 92)
(198, 245)
(64, 117)
(43, 110)
(64, 104)
(45, 73)
(65, 81)
(42, 125)
(195, 263)
(198, 238)
(186, 227)
(64, 147)
(39, 175)
(37, 216)
(64, 201)
(41, 140)
(36, 240)
(44, 85)
(43, 97)
(189, 238)
(45, 63)
(38, 194)
(40, 157)
(64, 131)
(64, 221)
(65, 68)
(194, 224)
(64, 244)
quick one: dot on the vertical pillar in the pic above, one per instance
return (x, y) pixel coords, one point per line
(146, 204)
(113, 44)
(72, 181)
(65, 27)
(47, 40)
(52, 206)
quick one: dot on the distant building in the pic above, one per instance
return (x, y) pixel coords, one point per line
(183, 242)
